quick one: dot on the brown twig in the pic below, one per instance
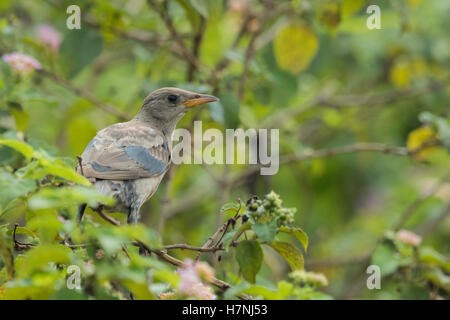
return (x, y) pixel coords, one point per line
(107, 217)
(84, 94)
(183, 246)
(225, 61)
(19, 246)
(353, 148)
(164, 15)
(168, 258)
(409, 211)
(178, 263)
(324, 99)
(248, 56)
(220, 232)
(198, 37)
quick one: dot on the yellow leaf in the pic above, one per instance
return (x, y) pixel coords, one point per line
(290, 253)
(349, 7)
(330, 15)
(400, 74)
(295, 46)
(404, 71)
(414, 3)
(418, 137)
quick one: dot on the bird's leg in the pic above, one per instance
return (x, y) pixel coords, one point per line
(133, 215)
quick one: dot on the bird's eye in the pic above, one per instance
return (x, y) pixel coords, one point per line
(172, 97)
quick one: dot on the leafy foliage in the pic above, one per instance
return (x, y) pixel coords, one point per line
(364, 149)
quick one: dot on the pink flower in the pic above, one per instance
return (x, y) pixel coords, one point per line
(49, 36)
(205, 271)
(21, 63)
(408, 237)
(191, 283)
(167, 295)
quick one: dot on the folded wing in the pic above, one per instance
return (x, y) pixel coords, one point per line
(126, 151)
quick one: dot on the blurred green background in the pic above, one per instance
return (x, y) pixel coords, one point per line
(311, 69)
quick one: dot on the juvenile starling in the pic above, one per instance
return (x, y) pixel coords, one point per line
(127, 161)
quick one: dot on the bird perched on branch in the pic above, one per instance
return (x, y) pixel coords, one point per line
(127, 161)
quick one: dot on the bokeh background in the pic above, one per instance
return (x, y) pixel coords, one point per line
(363, 118)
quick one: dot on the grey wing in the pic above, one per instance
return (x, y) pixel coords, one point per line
(126, 152)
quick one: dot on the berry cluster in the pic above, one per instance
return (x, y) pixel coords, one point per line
(311, 278)
(264, 211)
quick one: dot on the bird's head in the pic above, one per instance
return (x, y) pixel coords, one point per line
(166, 106)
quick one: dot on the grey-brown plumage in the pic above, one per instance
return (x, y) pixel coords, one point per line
(128, 160)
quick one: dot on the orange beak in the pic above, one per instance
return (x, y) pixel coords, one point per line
(199, 99)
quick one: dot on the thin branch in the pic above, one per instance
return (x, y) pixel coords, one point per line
(414, 206)
(183, 246)
(84, 94)
(19, 246)
(178, 263)
(436, 222)
(323, 99)
(163, 13)
(248, 56)
(168, 258)
(136, 35)
(107, 217)
(353, 148)
(225, 61)
(220, 232)
(409, 211)
(198, 37)
(383, 98)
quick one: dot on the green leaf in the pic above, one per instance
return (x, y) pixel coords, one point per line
(80, 48)
(39, 257)
(295, 46)
(439, 278)
(139, 289)
(19, 146)
(298, 233)
(261, 291)
(201, 6)
(7, 256)
(110, 241)
(23, 230)
(242, 228)
(249, 255)
(266, 232)
(226, 240)
(21, 118)
(67, 196)
(13, 188)
(431, 257)
(290, 253)
(441, 124)
(170, 277)
(139, 232)
(230, 209)
(385, 257)
(62, 170)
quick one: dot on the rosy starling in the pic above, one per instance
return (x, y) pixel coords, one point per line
(127, 161)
